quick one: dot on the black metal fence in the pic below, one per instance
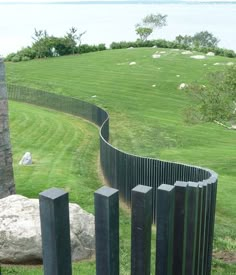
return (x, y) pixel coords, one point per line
(183, 196)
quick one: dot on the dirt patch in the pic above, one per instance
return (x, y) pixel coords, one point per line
(225, 256)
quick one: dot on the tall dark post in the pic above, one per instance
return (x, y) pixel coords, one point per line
(141, 230)
(190, 251)
(7, 186)
(55, 228)
(165, 229)
(212, 223)
(179, 220)
(107, 231)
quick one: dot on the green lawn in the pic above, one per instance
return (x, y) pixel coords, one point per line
(145, 120)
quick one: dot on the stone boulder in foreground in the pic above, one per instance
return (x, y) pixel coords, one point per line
(20, 234)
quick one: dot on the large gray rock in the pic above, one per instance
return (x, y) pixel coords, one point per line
(20, 235)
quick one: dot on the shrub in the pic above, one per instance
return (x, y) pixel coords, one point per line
(25, 58)
(16, 58)
(9, 57)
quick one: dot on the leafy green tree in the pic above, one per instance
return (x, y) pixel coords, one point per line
(185, 40)
(149, 24)
(41, 43)
(73, 38)
(143, 32)
(205, 39)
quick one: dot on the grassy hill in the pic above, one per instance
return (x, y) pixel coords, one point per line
(147, 118)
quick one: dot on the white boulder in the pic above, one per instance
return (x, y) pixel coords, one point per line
(230, 63)
(186, 52)
(132, 63)
(198, 56)
(26, 159)
(20, 233)
(156, 55)
(210, 54)
(183, 86)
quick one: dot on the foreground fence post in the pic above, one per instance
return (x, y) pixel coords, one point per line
(141, 230)
(180, 218)
(55, 228)
(165, 229)
(107, 231)
(190, 249)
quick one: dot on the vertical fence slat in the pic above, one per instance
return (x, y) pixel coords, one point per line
(107, 231)
(191, 228)
(180, 217)
(212, 222)
(199, 237)
(165, 228)
(55, 228)
(141, 230)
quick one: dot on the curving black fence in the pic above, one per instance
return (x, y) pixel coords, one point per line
(183, 196)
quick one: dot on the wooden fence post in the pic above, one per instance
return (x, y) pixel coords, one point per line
(141, 230)
(179, 222)
(107, 231)
(55, 228)
(165, 229)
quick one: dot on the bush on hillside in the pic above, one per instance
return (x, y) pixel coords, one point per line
(217, 101)
(162, 43)
(16, 58)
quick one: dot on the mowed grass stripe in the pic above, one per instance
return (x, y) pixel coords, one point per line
(58, 143)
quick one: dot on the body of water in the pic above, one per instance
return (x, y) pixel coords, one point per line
(108, 22)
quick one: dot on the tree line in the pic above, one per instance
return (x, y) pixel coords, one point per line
(45, 45)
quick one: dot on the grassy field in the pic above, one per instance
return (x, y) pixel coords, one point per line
(147, 118)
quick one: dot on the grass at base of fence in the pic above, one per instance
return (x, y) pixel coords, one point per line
(147, 115)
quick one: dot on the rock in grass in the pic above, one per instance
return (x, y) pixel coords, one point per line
(183, 86)
(132, 63)
(26, 159)
(156, 55)
(198, 56)
(210, 54)
(20, 235)
(186, 52)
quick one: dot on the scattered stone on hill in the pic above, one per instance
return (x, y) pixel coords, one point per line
(26, 159)
(198, 56)
(156, 55)
(175, 50)
(177, 75)
(183, 86)
(216, 64)
(20, 234)
(186, 52)
(132, 63)
(154, 46)
(130, 48)
(93, 96)
(230, 63)
(210, 54)
(162, 52)
(204, 64)
(154, 85)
